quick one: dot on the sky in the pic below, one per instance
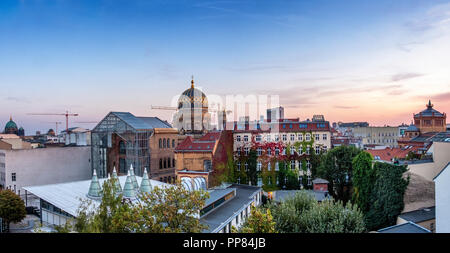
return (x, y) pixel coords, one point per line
(375, 61)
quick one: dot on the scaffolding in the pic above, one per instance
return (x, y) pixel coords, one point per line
(135, 134)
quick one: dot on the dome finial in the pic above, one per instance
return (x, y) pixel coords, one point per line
(10, 117)
(192, 82)
(429, 105)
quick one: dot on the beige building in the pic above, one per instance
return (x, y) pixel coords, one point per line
(441, 156)
(162, 146)
(374, 135)
(12, 141)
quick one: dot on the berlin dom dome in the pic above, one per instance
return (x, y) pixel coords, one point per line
(11, 127)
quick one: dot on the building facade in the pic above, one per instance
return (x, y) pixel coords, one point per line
(430, 120)
(288, 140)
(380, 136)
(28, 167)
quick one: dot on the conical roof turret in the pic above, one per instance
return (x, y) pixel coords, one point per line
(117, 186)
(133, 178)
(95, 190)
(128, 188)
(145, 183)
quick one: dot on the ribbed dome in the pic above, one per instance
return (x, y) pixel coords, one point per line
(11, 126)
(194, 97)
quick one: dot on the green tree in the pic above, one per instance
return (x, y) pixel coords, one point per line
(301, 213)
(336, 167)
(260, 221)
(332, 217)
(386, 198)
(363, 180)
(12, 207)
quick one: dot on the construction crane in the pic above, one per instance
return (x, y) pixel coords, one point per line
(66, 114)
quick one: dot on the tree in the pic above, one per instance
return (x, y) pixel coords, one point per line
(260, 221)
(336, 167)
(171, 209)
(332, 217)
(363, 180)
(386, 198)
(301, 213)
(12, 207)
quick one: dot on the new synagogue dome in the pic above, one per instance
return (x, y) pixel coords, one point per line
(193, 98)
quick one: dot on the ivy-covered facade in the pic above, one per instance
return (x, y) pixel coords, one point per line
(282, 158)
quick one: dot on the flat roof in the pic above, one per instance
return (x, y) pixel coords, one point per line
(68, 196)
(281, 195)
(217, 217)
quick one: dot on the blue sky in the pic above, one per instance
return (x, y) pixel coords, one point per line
(348, 60)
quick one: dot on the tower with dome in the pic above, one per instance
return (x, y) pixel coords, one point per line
(192, 116)
(11, 128)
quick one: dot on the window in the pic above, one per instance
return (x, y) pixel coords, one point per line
(207, 165)
(160, 143)
(269, 151)
(317, 150)
(238, 166)
(246, 150)
(168, 143)
(173, 143)
(122, 166)
(277, 137)
(300, 137)
(268, 138)
(258, 138)
(324, 137)
(276, 166)
(246, 166)
(165, 163)
(292, 150)
(308, 137)
(307, 150)
(173, 162)
(317, 137)
(164, 143)
(259, 151)
(277, 151)
(308, 165)
(268, 166)
(245, 137)
(122, 149)
(13, 177)
(300, 150)
(292, 164)
(258, 166)
(284, 151)
(292, 137)
(284, 137)
(168, 163)
(238, 138)
(238, 150)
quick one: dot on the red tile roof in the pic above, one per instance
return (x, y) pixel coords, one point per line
(388, 154)
(205, 143)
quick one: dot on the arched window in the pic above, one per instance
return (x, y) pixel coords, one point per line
(165, 163)
(173, 143)
(160, 143)
(173, 162)
(168, 142)
(160, 163)
(168, 163)
(164, 143)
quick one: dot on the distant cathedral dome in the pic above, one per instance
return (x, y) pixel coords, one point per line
(11, 127)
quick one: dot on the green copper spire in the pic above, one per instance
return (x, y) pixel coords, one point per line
(128, 188)
(145, 183)
(117, 186)
(94, 189)
(133, 177)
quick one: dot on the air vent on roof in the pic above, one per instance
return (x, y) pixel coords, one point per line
(427, 209)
